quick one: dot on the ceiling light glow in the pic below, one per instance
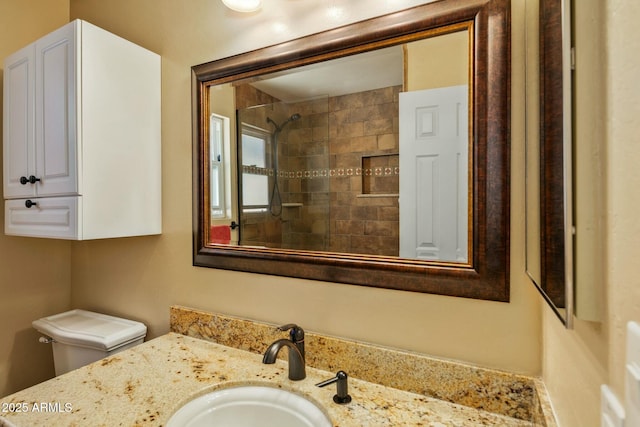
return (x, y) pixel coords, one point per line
(335, 12)
(243, 5)
(279, 28)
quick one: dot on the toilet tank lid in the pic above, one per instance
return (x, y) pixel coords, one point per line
(88, 329)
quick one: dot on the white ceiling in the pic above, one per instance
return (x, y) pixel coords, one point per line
(352, 74)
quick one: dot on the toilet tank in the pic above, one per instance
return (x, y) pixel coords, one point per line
(81, 337)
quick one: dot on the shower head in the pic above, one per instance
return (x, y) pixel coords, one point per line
(293, 118)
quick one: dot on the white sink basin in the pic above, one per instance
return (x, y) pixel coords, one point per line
(249, 406)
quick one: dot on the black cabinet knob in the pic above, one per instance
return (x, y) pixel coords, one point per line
(30, 203)
(31, 180)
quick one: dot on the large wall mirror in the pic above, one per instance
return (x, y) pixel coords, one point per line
(374, 154)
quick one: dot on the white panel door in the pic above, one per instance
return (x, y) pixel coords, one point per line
(56, 162)
(18, 133)
(434, 174)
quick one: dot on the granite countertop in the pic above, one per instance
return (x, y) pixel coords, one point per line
(145, 385)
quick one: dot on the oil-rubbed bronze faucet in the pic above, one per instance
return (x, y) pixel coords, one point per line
(295, 343)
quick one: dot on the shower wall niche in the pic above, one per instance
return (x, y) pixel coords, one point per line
(330, 172)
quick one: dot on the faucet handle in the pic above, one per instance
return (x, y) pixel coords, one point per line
(342, 396)
(296, 333)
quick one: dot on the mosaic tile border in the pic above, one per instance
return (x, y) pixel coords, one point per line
(502, 393)
(323, 173)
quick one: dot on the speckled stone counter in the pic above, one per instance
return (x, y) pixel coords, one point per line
(145, 385)
(515, 396)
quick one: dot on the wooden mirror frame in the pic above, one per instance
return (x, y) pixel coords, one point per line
(487, 275)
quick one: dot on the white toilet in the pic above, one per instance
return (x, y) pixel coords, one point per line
(81, 337)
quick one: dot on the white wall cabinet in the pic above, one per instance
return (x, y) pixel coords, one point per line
(81, 137)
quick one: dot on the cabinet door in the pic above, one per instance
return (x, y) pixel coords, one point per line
(56, 134)
(18, 133)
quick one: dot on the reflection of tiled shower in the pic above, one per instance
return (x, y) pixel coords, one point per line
(305, 214)
(338, 174)
(364, 151)
(275, 198)
(303, 220)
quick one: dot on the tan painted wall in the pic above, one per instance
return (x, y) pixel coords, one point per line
(576, 362)
(430, 64)
(140, 277)
(35, 274)
(622, 180)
